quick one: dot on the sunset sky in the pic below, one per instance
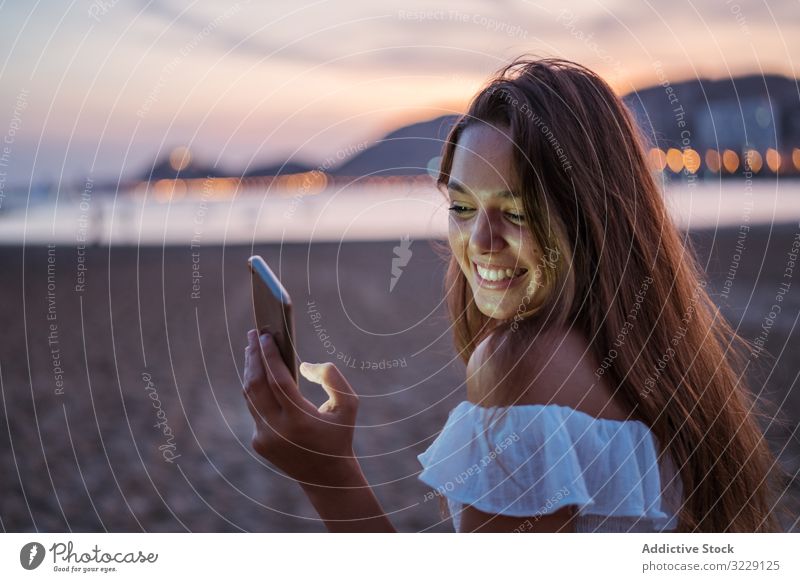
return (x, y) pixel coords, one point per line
(104, 87)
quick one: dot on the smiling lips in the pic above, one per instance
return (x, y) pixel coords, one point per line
(497, 277)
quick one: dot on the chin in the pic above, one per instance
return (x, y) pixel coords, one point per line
(497, 316)
(501, 304)
(494, 311)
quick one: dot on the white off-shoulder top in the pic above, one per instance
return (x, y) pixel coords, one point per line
(537, 458)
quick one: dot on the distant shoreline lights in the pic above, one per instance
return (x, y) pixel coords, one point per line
(726, 161)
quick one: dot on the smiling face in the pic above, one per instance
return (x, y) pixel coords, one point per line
(488, 232)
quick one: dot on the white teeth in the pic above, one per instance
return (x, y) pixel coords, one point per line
(497, 274)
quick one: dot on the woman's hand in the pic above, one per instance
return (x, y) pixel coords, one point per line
(312, 445)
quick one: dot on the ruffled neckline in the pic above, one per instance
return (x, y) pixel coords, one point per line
(529, 407)
(607, 467)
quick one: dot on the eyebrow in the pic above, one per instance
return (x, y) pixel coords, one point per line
(457, 186)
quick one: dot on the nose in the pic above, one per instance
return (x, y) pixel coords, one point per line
(486, 237)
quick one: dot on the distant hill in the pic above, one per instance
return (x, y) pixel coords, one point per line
(281, 169)
(405, 151)
(753, 111)
(163, 169)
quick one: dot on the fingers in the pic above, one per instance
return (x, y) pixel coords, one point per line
(341, 394)
(280, 379)
(257, 390)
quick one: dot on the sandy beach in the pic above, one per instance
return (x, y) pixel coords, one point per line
(120, 371)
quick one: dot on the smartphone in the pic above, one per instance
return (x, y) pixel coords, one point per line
(272, 309)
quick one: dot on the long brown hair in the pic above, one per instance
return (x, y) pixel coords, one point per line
(618, 270)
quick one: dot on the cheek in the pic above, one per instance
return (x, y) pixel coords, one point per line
(459, 247)
(520, 247)
(459, 240)
(528, 249)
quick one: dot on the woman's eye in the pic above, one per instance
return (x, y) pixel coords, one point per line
(458, 209)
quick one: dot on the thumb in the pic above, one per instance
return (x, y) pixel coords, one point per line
(340, 393)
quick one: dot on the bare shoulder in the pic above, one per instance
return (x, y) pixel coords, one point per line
(557, 368)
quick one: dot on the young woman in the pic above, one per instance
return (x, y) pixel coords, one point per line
(604, 388)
